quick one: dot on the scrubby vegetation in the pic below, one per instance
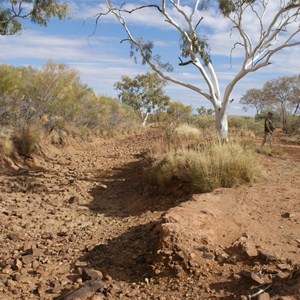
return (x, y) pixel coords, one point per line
(187, 132)
(25, 142)
(54, 96)
(281, 96)
(202, 164)
(53, 101)
(272, 151)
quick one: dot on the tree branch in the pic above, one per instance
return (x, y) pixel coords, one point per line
(146, 58)
(198, 23)
(185, 63)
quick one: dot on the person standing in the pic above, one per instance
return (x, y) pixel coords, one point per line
(269, 129)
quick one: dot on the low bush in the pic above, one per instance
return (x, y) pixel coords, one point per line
(293, 126)
(240, 122)
(204, 122)
(290, 139)
(185, 131)
(55, 97)
(25, 142)
(245, 126)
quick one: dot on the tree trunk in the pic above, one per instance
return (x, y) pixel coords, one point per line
(295, 112)
(145, 119)
(221, 124)
(283, 118)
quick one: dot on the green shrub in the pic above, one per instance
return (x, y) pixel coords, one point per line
(245, 126)
(179, 113)
(55, 97)
(207, 168)
(240, 122)
(204, 122)
(293, 126)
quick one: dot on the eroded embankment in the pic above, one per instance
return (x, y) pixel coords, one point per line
(83, 222)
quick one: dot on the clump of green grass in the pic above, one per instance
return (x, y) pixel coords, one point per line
(209, 167)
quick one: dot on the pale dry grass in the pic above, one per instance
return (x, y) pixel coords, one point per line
(6, 146)
(26, 141)
(206, 166)
(273, 150)
(185, 131)
(243, 132)
(181, 137)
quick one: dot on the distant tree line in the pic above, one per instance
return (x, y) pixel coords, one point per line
(54, 96)
(145, 95)
(281, 96)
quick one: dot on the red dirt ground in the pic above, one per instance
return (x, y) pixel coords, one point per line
(88, 207)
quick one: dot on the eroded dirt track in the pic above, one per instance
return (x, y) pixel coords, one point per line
(89, 208)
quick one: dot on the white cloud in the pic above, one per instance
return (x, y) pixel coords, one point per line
(102, 62)
(102, 78)
(36, 45)
(146, 17)
(95, 59)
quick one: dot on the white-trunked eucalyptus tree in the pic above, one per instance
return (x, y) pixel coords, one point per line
(275, 23)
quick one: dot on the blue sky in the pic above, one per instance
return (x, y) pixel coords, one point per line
(102, 60)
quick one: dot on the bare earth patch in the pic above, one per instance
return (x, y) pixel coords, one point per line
(82, 223)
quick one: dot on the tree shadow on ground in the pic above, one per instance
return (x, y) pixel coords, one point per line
(235, 287)
(127, 257)
(278, 287)
(125, 191)
(280, 284)
(23, 180)
(32, 181)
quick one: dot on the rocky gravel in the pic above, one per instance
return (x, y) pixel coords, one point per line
(82, 223)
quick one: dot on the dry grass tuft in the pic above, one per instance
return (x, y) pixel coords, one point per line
(187, 132)
(206, 166)
(6, 146)
(25, 142)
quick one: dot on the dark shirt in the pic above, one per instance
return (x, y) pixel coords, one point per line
(269, 126)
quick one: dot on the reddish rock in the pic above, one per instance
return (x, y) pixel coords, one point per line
(264, 296)
(27, 259)
(86, 291)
